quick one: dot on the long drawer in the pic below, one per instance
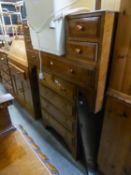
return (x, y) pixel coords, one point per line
(72, 72)
(69, 139)
(66, 120)
(63, 88)
(61, 103)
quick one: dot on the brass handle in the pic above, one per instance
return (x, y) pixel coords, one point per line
(78, 51)
(79, 27)
(26, 27)
(2, 59)
(51, 63)
(57, 83)
(71, 71)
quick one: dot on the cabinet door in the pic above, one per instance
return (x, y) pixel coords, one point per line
(19, 81)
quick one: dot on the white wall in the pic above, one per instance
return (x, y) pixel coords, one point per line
(111, 4)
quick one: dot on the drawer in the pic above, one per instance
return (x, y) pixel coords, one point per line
(59, 102)
(84, 29)
(79, 75)
(65, 120)
(33, 58)
(5, 68)
(6, 76)
(61, 87)
(3, 59)
(65, 134)
(83, 51)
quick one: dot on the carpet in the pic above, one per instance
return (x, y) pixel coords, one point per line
(19, 155)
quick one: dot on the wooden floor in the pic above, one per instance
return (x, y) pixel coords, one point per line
(18, 157)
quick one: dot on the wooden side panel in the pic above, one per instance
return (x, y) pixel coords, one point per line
(115, 147)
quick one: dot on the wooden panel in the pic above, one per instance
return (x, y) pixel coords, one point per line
(33, 58)
(115, 144)
(83, 51)
(120, 78)
(62, 104)
(84, 29)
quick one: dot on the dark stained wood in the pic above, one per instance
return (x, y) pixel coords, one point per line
(98, 5)
(5, 120)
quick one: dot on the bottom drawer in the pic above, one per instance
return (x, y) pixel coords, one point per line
(65, 134)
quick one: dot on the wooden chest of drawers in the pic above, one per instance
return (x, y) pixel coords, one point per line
(88, 43)
(83, 68)
(58, 108)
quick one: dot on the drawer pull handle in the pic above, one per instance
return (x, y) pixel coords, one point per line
(78, 51)
(2, 59)
(71, 71)
(79, 27)
(51, 63)
(26, 27)
(57, 83)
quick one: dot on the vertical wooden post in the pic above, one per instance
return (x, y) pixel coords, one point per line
(98, 4)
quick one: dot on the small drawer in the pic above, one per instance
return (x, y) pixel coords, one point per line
(5, 68)
(83, 51)
(17, 71)
(64, 133)
(3, 59)
(5, 76)
(79, 75)
(84, 29)
(65, 119)
(59, 102)
(63, 88)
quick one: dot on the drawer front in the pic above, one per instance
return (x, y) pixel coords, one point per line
(84, 29)
(6, 76)
(59, 102)
(5, 68)
(83, 51)
(65, 120)
(74, 73)
(33, 58)
(3, 59)
(61, 87)
(65, 134)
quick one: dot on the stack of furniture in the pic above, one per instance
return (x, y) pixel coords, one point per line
(115, 147)
(82, 69)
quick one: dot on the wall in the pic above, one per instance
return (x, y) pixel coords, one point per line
(111, 4)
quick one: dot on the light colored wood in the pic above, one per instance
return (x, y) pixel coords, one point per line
(105, 56)
(19, 155)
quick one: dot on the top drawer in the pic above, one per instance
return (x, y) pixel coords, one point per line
(84, 29)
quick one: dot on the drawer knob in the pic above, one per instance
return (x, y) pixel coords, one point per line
(26, 27)
(57, 83)
(2, 59)
(78, 51)
(71, 71)
(79, 27)
(51, 63)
